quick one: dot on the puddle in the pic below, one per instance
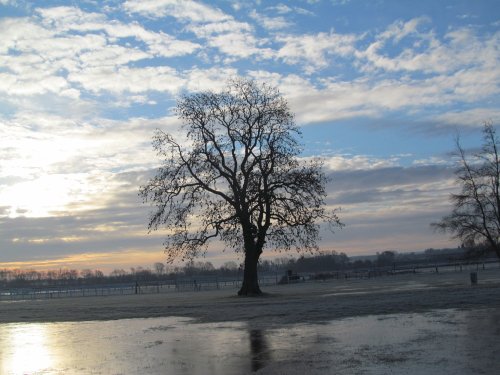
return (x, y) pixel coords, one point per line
(442, 341)
(409, 286)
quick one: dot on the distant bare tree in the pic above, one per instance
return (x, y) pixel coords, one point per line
(237, 177)
(119, 272)
(475, 218)
(86, 273)
(159, 268)
(386, 258)
(98, 274)
(229, 266)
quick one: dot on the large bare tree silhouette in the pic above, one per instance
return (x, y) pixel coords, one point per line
(237, 177)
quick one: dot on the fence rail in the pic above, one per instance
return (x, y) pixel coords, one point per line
(200, 284)
(166, 286)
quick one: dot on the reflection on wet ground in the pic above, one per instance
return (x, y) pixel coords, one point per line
(397, 286)
(259, 349)
(441, 341)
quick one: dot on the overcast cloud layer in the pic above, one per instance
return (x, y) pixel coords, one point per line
(380, 90)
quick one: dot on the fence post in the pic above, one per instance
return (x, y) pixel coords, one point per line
(473, 278)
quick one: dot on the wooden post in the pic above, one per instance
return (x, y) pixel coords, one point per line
(473, 278)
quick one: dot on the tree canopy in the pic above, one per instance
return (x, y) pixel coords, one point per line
(475, 218)
(237, 177)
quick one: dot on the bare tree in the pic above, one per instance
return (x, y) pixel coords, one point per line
(86, 273)
(475, 218)
(159, 268)
(229, 266)
(237, 177)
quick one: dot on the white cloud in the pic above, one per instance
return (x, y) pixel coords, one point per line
(233, 39)
(11, 84)
(469, 118)
(466, 16)
(49, 57)
(432, 161)
(285, 9)
(399, 29)
(215, 28)
(158, 43)
(281, 8)
(134, 99)
(315, 50)
(21, 33)
(460, 48)
(270, 23)
(240, 45)
(65, 19)
(142, 80)
(111, 56)
(358, 162)
(125, 79)
(208, 79)
(66, 164)
(184, 10)
(334, 99)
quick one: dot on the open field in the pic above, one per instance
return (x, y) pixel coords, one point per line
(282, 304)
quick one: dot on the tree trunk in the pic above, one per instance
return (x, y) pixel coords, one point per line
(250, 286)
(497, 250)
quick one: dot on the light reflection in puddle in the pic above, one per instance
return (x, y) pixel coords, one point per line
(30, 348)
(407, 286)
(444, 341)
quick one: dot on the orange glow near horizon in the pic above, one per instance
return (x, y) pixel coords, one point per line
(126, 259)
(105, 262)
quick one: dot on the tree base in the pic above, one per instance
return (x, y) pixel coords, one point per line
(250, 292)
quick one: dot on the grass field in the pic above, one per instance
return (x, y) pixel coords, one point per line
(281, 304)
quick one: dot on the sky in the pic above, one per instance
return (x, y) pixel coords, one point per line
(380, 90)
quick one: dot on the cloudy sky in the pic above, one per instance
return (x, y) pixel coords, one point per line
(379, 88)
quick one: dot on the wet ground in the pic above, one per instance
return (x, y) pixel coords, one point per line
(448, 341)
(311, 302)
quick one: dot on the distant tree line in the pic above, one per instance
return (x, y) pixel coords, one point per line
(326, 262)
(66, 277)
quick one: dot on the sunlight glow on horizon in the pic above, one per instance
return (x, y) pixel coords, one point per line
(106, 262)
